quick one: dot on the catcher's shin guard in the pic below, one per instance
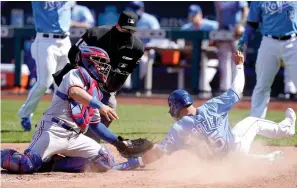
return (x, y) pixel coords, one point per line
(16, 162)
(105, 160)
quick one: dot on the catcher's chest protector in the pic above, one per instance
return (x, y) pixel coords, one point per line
(80, 113)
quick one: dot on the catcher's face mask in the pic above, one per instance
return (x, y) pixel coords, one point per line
(96, 61)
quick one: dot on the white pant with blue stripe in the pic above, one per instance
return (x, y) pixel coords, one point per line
(50, 139)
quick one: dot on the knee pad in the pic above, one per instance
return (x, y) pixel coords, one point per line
(16, 162)
(104, 161)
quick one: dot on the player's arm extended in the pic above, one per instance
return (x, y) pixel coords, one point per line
(239, 79)
(149, 157)
(83, 97)
(171, 143)
(152, 155)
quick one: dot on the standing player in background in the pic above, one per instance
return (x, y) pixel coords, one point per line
(206, 132)
(278, 21)
(230, 15)
(49, 50)
(145, 22)
(207, 71)
(81, 17)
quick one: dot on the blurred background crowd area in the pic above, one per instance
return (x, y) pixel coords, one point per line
(171, 59)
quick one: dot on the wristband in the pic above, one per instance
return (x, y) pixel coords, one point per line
(94, 103)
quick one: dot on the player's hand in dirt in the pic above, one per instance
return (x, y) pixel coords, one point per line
(109, 113)
(238, 57)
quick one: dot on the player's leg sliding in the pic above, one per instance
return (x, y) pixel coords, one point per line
(246, 130)
(16, 162)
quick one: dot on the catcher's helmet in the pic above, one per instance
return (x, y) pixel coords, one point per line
(177, 100)
(96, 62)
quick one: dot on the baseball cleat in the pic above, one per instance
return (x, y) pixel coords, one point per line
(276, 155)
(26, 123)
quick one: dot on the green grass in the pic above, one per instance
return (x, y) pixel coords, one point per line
(135, 121)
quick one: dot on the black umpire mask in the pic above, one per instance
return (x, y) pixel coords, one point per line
(121, 35)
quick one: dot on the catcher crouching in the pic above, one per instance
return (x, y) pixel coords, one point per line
(76, 107)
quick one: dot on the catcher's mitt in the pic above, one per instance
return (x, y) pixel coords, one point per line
(133, 148)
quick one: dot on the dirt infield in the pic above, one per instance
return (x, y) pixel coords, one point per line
(179, 170)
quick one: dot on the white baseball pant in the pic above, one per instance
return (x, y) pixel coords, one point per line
(50, 138)
(246, 130)
(50, 55)
(267, 66)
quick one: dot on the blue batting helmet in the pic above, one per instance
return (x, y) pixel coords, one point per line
(177, 100)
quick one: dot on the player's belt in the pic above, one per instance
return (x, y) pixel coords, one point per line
(282, 37)
(64, 125)
(55, 36)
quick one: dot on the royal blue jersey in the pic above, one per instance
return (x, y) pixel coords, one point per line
(52, 16)
(207, 133)
(277, 18)
(230, 12)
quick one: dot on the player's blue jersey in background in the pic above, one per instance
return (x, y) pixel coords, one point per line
(230, 12)
(278, 18)
(147, 21)
(206, 25)
(82, 14)
(207, 133)
(52, 16)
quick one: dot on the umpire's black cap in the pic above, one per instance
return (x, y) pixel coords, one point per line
(128, 20)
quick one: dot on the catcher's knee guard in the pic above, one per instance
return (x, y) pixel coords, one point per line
(105, 160)
(16, 162)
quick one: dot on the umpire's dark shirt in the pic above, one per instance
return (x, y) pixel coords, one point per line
(124, 52)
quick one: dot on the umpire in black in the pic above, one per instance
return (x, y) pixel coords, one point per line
(124, 49)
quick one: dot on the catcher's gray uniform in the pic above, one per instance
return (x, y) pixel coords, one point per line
(52, 137)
